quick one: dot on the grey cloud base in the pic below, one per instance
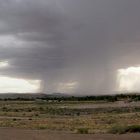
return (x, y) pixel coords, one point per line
(68, 41)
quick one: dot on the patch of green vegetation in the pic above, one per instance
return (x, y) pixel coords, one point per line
(42, 127)
(125, 129)
(83, 130)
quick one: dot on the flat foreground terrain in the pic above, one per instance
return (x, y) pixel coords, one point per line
(72, 117)
(15, 134)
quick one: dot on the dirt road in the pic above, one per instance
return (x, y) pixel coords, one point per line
(20, 134)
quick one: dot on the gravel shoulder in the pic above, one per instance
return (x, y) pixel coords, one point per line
(22, 134)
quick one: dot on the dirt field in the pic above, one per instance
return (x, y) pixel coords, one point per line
(25, 120)
(74, 117)
(21, 134)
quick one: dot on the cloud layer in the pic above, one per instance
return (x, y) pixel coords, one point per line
(65, 41)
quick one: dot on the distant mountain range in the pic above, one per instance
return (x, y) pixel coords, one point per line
(53, 95)
(31, 95)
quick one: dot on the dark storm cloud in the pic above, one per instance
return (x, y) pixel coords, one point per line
(69, 43)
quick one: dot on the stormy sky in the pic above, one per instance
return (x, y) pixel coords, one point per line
(72, 46)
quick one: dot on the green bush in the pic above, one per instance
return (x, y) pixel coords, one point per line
(125, 129)
(83, 130)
